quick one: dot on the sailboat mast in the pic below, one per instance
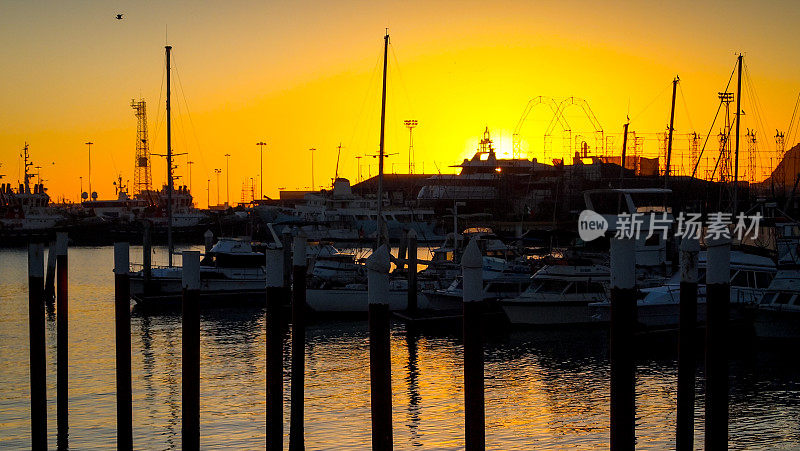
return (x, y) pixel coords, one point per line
(169, 163)
(671, 123)
(738, 121)
(379, 221)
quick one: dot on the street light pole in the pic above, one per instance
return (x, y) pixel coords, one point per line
(89, 144)
(261, 145)
(312, 167)
(218, 172)
(227, 179)
(208, 194)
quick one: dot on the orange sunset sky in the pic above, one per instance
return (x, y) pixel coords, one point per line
(307, 74)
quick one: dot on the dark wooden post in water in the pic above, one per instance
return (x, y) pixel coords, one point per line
(717, 306)
(472, 273)
(147, 256)
(275, 294)
(296, 428)
(122, 315)
(50, 274)
(684, 434)
(190, 352)
(380, 366)
(286, 240)
(62, 340)
(37, 346)
(412, 271)
(623, 322)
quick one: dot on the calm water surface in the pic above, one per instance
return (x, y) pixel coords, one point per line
(544, 389)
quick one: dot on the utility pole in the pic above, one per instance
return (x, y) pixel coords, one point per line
(208, 193)
(261, 145)
(228, 180)
(312, 167)
(358, 165)
(89, 145)
(738, 121)
(410, 124)
(671, 122)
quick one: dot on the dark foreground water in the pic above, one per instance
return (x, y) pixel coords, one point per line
(544, 389)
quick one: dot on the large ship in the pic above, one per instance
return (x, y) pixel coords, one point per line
(27, 209)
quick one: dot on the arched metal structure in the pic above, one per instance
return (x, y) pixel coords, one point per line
(587, 111)
(538, 100)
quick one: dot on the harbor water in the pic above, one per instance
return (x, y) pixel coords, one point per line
(545, 389)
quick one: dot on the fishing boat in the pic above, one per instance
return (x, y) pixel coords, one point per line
(27, 210)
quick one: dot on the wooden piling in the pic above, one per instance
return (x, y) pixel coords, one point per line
(62, 341)
(122, 316)
(147, 257)
(623, 322)
(275, 294)
(684, 433)
(190, 351)
(412, 271)
(474, 416)
(296, 427)
(286, 241)
(37, 346)
(718, 297)
(380, 367)
(50, 275)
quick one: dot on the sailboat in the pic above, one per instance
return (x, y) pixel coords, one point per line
(352, 298)
(231, 272)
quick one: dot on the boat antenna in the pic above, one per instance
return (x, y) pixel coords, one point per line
(379, 220)
(169, 162)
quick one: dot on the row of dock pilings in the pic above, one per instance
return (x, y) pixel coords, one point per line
(622, 340)
(623, 322)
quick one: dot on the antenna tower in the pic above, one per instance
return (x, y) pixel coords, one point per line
(142, 180)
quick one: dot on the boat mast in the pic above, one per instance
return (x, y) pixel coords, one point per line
(169, 163)
(738, 121)
(379, 221)
(671, 122)
(624, 149)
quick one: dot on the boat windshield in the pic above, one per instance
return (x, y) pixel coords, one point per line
(551, 286)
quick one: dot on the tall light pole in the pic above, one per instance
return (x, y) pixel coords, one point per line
(227, 179)
(358, 158)
(208, 193)
(89, 144)
(80, 195)
(261, 145)
(410, 124)
(312, 167)
(218, 172)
